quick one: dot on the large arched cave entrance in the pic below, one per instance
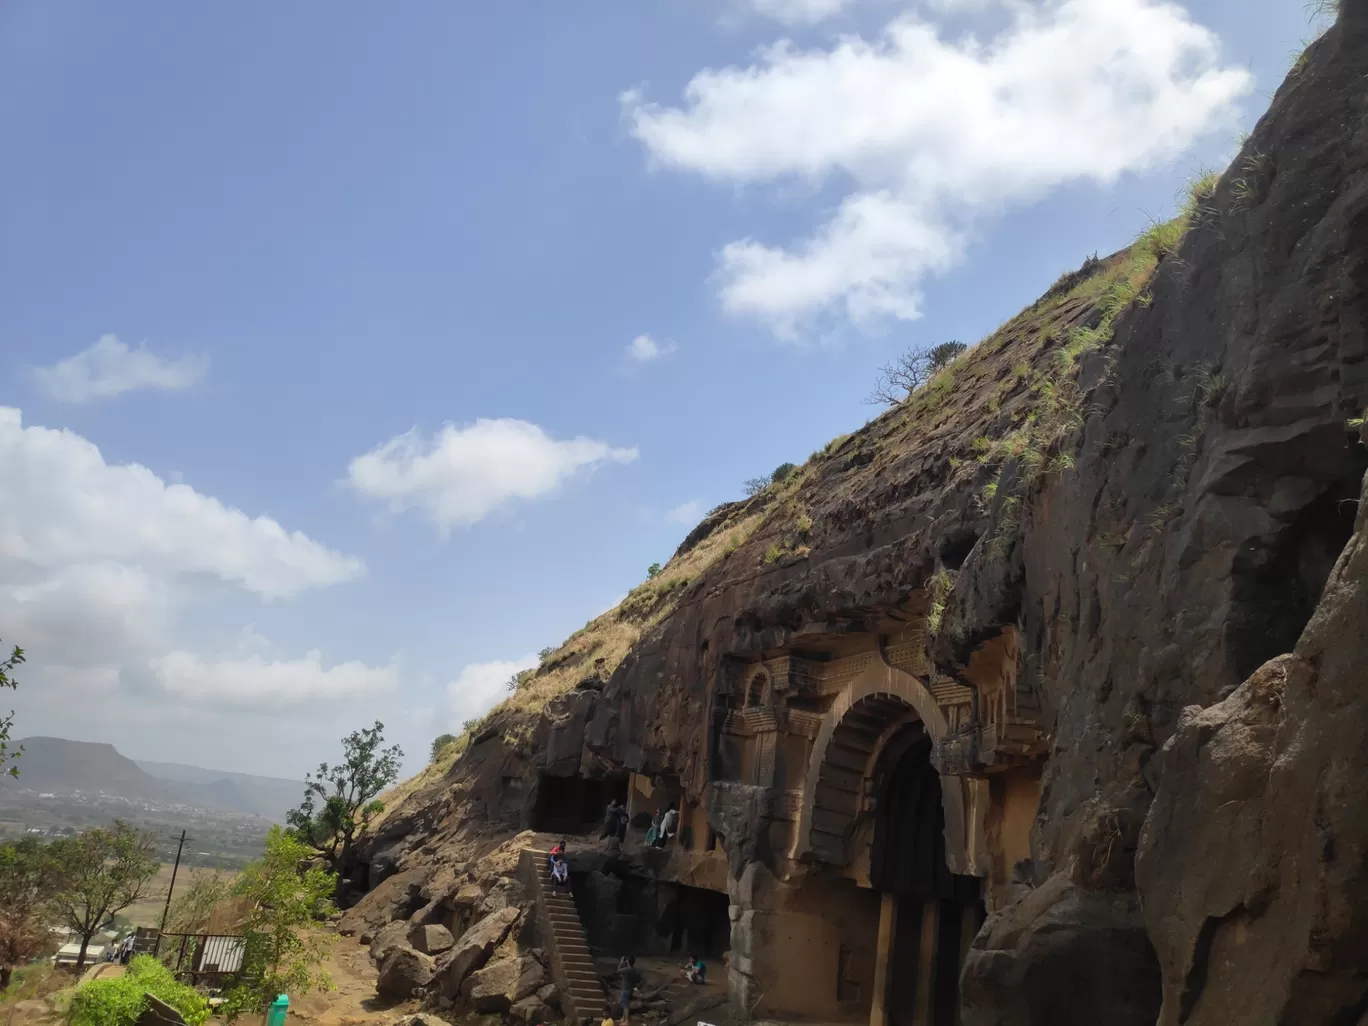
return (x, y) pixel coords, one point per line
(930, 914)
(876, 810)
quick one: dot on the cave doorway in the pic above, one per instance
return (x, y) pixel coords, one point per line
(697, 922)
(574, 805)
(930, 914)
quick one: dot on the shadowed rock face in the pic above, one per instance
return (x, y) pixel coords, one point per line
(1200, 686)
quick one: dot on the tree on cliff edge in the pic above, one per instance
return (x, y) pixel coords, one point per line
(6, 667)
(340, 801)
(910, 371)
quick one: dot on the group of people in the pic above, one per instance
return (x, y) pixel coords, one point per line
(560, 868)
(122, 951)
(629, 978)
(664, 825)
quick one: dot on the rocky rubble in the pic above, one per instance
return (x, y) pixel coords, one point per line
(464, 944)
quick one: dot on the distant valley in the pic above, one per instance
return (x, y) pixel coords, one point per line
(69, 785)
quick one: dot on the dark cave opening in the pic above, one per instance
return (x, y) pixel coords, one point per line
(574, 805)
(1280, 595)
(956, 550)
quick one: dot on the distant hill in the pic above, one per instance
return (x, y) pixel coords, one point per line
(60, 766)
(269, 797)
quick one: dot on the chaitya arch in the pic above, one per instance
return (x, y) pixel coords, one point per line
(882, 705)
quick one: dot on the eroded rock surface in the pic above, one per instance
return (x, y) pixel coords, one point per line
(1172, 575)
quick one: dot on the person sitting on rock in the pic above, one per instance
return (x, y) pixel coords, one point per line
(695, 971)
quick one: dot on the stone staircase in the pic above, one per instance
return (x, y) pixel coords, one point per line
(561, 935)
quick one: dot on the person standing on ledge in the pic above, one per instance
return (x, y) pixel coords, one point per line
(668, 824)
(611, 818)
(628, 979)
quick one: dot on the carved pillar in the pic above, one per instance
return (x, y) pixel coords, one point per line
(969, 924)
(926, 962)
(883, 958)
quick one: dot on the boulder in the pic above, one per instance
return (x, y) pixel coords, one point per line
(402, 973)
(386, 939)
(472, 950)
(504, 982)
(530, 981)
(550, 996)
(398, 897)
(420, 1019)
(431, 939)
(491, 989)
(468, 896)
(1062, 955)
(530, 1010)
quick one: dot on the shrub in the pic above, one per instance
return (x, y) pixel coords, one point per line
(653, 571)
(520, 680)
(782, 472)
(119, 1002)
(440, 744)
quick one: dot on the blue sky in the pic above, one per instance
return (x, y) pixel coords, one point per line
(306, 230)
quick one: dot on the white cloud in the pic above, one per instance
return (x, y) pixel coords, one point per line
(798, 12)
(255, 682)
(930, 132)
(686, 513)
(461, 475)
(109, 368)
(63, 506)
(481, 686)
(103, 572)
(644, 349)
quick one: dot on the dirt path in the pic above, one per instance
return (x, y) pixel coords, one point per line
(353, 1002)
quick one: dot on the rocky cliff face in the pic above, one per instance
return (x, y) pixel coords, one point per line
(1149, 478)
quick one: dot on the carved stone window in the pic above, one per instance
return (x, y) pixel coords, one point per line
(755, 691)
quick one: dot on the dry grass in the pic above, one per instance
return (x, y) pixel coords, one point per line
(607, 637)
(148, 911)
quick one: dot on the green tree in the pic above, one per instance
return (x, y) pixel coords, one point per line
(28, 881)
(340, 801)
(939, 356)
(440, 744)
(6, 681)
(653, 571)
(281, 955)
(782, 472)
(100, 871)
